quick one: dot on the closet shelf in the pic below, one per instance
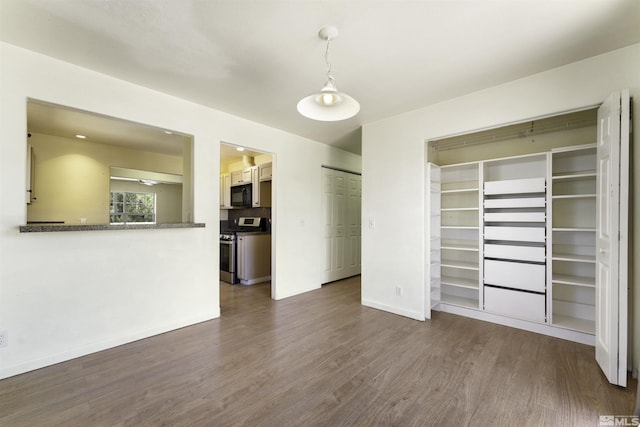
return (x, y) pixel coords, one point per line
(574, 175)
(460, 245)
(575, 196)
(459, 282)
(575, 229)
(459, 264)
(462, 190)
(459, 209)
(459, 301)
(459, 227)
(588, 282)
(574, 258)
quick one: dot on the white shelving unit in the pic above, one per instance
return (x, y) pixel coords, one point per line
(573, 238)
(515, 237)
(515, 218)
(434, 243)
(460, 266)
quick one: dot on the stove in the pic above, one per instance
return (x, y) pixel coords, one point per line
(228, 246)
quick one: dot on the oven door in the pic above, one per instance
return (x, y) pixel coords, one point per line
(228, 261)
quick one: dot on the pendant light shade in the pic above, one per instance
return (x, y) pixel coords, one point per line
(328, 105)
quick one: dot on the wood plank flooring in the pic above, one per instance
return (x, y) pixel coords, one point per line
(321, 359)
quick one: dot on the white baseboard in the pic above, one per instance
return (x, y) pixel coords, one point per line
(395, 310)
(94, 347)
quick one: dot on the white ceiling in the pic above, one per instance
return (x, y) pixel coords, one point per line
(51, 119)
(256, 59)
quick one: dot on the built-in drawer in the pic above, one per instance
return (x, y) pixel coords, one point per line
(520, 253)
(518, 275)
(514, 216)
(515, 186)
(522, 305)
(521, 202)
(516, 234)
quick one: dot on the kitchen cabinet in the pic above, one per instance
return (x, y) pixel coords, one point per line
(253, 257)
(265, 171)
(243, 176)
(261, 190)
(259, 176)
(225, 191)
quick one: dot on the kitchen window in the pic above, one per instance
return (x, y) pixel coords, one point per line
(128, 207)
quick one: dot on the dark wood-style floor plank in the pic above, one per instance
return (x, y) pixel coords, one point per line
(321, 359)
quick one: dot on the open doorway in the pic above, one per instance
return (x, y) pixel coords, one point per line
(246, 233)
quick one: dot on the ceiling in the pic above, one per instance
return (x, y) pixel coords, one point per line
(56, 120)
(257, 59)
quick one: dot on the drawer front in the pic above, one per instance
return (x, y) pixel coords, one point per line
(515, 186)
(529, 277)
(522, 305)
(527, 202)
(514, 216)
(520, 253)
(516, 234)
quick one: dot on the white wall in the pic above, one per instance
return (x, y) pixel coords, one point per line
(393, 163)
(67, 294)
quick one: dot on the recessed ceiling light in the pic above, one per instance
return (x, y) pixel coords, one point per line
(239, 148)
(81, 136)
(168, 132)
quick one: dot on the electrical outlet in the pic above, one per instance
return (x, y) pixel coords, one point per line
(398, 291)
(4, 339)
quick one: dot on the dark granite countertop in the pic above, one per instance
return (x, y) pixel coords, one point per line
(35, 228)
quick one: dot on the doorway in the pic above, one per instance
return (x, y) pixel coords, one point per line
(246, 225)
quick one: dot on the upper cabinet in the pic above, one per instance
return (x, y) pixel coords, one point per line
(261, 190)
(259, 176)
(265, 171)
(240, 177)
(225, 191)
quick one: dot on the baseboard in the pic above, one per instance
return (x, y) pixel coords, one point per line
(395, 310)
(94, 347)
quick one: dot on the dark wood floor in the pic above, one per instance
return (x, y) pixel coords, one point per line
(321, 359)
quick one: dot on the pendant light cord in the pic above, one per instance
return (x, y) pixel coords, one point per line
(326, 60)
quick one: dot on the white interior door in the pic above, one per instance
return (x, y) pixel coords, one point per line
(341, 199)
(353, 238)
(611, 226)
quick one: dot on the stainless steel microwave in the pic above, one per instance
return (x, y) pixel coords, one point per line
(241, 196)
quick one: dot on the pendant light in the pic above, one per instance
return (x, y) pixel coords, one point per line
(328, 105)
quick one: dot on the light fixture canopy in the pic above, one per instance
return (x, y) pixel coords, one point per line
(329, 104)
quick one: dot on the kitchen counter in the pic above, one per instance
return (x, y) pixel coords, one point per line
(40, 228)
